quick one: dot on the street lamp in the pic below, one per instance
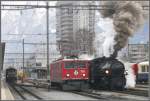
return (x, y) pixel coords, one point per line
(23, 58)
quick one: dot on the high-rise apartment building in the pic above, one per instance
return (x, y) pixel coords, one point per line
(75, 28)
(138, 52)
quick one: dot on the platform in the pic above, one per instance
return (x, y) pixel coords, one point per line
(5, 91)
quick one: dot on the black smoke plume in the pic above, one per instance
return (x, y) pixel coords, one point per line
(127, 18)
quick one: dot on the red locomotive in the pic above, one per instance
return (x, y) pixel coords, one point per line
(70, 74)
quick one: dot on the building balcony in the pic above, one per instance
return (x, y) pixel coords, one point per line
(67, 28)
(65, 15)
(67, 24)
(66, 20)
(66, 33)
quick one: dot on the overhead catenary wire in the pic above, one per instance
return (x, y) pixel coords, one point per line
(76, 7)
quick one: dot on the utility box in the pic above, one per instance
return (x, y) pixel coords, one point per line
(2, 52)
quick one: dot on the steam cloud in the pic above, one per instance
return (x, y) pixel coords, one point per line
(130, 78)
(127, 18)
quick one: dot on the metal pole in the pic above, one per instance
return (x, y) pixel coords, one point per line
(0, 23)
(149, 66)
(23, 57)
(47, 28)
(0, 54)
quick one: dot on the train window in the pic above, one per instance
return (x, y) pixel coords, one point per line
(147, 68)
(69, 64)
(143, 69)
(79, 64)
(75, 65)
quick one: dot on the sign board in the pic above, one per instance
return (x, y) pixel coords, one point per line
(71, 52)
(2, 51)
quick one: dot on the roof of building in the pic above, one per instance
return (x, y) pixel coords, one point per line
(144, 63)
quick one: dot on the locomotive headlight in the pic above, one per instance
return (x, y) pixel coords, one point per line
(68, 75)
(83, 74)
(107, 71)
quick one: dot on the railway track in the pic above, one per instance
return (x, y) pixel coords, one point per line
(24, 93)
(98, 95)
(90, 94)
(135, 92)
(141, 86)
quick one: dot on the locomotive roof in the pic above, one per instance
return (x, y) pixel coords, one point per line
(71, 60)
(104, 59)
(11, 68)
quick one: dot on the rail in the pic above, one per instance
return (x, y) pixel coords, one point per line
(18, 92)
(29, 92)
(90, 94)
(16, 89)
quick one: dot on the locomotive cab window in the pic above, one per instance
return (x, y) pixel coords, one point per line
(69, 65)
(79, 64)
(75, 65)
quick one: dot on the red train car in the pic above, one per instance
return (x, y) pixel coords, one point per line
(135, 69)
(140, 71)
(70, 74)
